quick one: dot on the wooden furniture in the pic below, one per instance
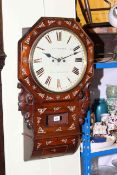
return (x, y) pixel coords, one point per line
(2, 58)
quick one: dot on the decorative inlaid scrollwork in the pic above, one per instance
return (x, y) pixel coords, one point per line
(41, 130)
(41, 95)
(35, 32)
(27, 41)
(25, 60)
(75, 93)
(27, 119)
(41, 25)
(88, 41)
(82, 34)
(38, 145)
(24, 48)
(39, 120)
(59, 129)
(74, 116)
(64, 140)
(72, 127)
(41, 110)
(58, 97)
(56, 108)
(48, 142)
(68, 22)
(75, 26)
(73, 141)
(34, 87)
(67, 97)
(51, 22)
(27, 81)
(91, 49)
(59, 22)
(23, 72)
(49, 98)
(71, 108)
(53, 150)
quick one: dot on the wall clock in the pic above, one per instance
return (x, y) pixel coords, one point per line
(55, 66)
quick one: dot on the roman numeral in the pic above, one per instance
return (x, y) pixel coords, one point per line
(69, 40)
(75, 71)
(78, 59)
(38, 60)
(58, 83)
(59, 36)
(48, 80)
(69, 80)
(76, 48)
(40, 72)
(48, 39)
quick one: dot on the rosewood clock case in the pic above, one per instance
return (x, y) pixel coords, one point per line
(54, 118)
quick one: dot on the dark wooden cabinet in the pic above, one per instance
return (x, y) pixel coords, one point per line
(2, 58)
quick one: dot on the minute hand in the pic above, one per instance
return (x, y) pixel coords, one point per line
(69, 55)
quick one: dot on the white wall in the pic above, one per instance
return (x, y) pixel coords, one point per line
(18, 14)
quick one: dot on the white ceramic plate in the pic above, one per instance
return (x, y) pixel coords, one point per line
(97, 146)
(109, 141)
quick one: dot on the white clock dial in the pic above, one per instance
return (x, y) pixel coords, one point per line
(58, 60)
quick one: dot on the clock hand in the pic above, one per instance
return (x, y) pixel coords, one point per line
(69, 55)
(49, 56)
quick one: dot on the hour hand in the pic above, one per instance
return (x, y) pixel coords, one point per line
(49, 55)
